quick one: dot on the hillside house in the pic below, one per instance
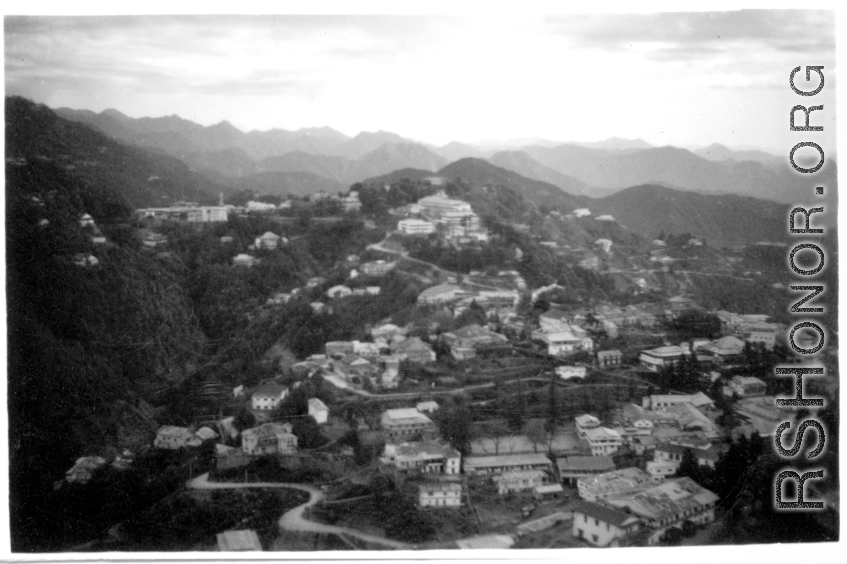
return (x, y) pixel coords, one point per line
(442, 294)
(244, 260)
(246, 540)
(669, 452)
(474, 336)
(413, 350)
(407, 424)
(440, 204)
(565, 343)
(377, 268)
(621, 482)
(603, 441)
(601, 525)
(425, 457)
(659, 401)
(725, 350)
(338, 292)
(318, 411)
(388, 331)
(173, 438)
(270, 438)
(584, 423)
(606, 359)
(83, 470)
(568, 372)
(415, 227)
(572, 468)
(268, 396)
(669, 504)
(268, 241)
(745, 387)
(656, 359)
(519, 481)
(440, 494)
(475, 465)
(548, 491)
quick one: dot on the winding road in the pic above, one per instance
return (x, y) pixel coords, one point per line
(293, 519)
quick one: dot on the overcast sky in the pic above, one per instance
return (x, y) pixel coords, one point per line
(670, 78)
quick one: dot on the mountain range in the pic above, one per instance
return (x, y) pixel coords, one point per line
(222, 151)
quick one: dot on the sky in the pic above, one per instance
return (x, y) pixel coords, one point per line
(686, 78)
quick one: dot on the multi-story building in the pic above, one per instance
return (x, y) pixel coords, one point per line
(423, 457)
(601, 525)
(440, 494)
(440, 204)
(415, 227)
(442, 294)
(603, 441)
(585, 422)
(270, 438)
(268, 396)
(572, 468)
(173, 438)
(407, 424)
(519, 480)
(655, 359)
(609, 358)
(475, 465)
(377, 268)
(615, 483)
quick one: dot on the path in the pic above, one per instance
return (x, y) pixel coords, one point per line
(293, 519)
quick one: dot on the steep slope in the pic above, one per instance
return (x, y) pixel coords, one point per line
(142, 178)
(723, 220)
(523, 164)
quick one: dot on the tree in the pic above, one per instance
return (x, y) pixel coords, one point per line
(689, 467)
(536, 432)
(515, 413)
(454, 423)
(497, 432)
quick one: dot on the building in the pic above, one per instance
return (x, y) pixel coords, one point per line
(609, 358)
(474, 336)
(585, 422)
(762, 333)
(340, 291)
(83, 470)
(615, 483)
(548, 491)
(655, 359)
(270, 438)
(442, 294)
(427, 407)
(668, 505)
(173, 438)
(603, 441)
(415, 227)
(605, 218)
(565, 343)
(318, 411)
(413, 350)
(670, 452)
(377, 268)
(407, 424)
(244, 260)
(440, 204)
(568, 372)
(722, 351)
(426, 457)
(388, 331)
(519, 480)
(268, 396)
(440, 494)
(475, 465)
(572, 468)
(332, 348)
(661, 469)
(239, 541)
(601, 525)
(659, 401)
(268, 240)
(351, 202)
(746, 387)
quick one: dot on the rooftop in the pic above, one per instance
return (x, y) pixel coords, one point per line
(585, 463)
(604, 513)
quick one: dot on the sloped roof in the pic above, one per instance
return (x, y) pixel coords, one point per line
(585, 463)
(270, 390)
(604, 513)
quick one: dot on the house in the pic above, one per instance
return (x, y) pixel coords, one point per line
(387, 331)
(572, 468)
(440, 204)
(415, 227)
(239, 541)
(320, 307)
(83, 470)
(340, 291)
(173, 438)
(85, 259)
(270, 438)
(603, 441)
(658, 401)
(661, 469)
(433, 456)
(746, 387)
(474, 336)
(568, 372)
(669, 452)
(206, 434)
(601, 525)
(318, 411)
(405, 424)
(585, 422)
(655, 359)
(722, 351)
(498, 464)
(605, 218)
(519, 480)
(548, 491)
(268, 396)
(244, 260)
(86, 220)
(268, 240)
(440, 494)
(580, 212)
(377, 268)
(366, 350)
(427, 407)
(609, 358)
(441, 294)
(413, 350)
(333, 348)
(565, 342)
(554, 320)
(669, 504)
(764, 333)
(615, 483)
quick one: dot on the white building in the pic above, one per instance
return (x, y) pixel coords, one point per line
(337, 292)
(519, 481)
(415, 227)
(603, 441)
(318, 411)
(601, 525)
(584, 423)
(438, 494)
(655, 359)
(615, 483)
(268, 396)
(568, 372)
(173, 438)
(270, 438)
(427, 457)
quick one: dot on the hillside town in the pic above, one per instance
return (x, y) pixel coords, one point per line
(530, 418)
